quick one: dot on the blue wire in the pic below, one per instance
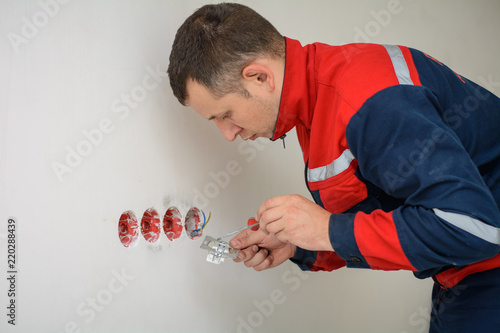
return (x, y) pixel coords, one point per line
(204, 222)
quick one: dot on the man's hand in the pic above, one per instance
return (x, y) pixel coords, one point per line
(296, 220)
(261, 250)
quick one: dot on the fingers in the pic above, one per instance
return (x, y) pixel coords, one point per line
(272, 220)
(258, 258)
(277, 257)
(268, 205)
(250, 252)
(272, 213)
(252, 256)
(266, 264)
(276, 227)
(247, 238)
(262, 258)
(247, 254)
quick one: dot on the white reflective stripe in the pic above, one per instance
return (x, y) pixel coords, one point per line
(472, 226)
(336, 167)
(399, 64)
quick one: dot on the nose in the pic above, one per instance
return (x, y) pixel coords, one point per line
(229, 130)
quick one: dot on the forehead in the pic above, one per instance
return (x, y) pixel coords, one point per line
(196, 91)
(203, 101)
(199, 97)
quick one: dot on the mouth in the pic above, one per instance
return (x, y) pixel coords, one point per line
(253, 137)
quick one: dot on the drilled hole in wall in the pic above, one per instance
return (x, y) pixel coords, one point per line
(150, 225)
(172, 223)
(194, 223)
(128, 228)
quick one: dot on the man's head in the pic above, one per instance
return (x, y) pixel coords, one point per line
(227, 60)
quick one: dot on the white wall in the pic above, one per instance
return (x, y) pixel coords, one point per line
(67, 75)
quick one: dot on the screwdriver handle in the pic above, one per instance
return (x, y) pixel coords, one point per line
(253, 224)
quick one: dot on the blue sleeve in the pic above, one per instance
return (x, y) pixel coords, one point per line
(304, 258)
(403, 146)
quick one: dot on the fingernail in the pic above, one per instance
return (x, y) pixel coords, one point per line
(236, 244)
(255, 248)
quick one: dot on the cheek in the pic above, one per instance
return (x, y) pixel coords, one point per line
(256, 116)
(266, 115)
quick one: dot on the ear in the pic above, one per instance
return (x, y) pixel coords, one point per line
(259, 74)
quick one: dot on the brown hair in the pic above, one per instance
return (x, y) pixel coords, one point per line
(216, 43)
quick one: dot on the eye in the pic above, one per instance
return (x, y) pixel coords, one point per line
(225, 115)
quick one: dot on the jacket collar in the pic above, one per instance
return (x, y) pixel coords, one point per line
(298, 94)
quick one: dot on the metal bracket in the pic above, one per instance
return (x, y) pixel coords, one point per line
(218, 250)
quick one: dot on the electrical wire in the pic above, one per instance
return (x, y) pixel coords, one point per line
(205, 221)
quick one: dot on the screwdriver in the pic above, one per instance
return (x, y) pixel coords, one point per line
(249, 226)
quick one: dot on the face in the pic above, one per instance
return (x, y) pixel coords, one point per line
(236, 115)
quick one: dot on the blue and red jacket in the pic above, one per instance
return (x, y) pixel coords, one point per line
(404, 153)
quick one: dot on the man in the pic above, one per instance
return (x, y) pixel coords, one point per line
(402, 155)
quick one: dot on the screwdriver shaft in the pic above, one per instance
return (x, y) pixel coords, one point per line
(238, 231)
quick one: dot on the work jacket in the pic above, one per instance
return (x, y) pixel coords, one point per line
(405, 154)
